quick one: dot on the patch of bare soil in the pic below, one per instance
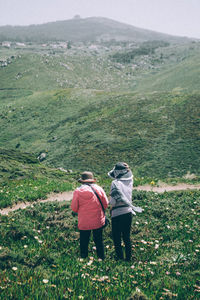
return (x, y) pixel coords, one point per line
(167, 188)
(66, 196)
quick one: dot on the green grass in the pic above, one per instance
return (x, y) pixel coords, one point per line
(42, 242)
(156, 133)
(23, 178)
(85, 111)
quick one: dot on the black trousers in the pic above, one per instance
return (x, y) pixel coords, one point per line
(121, 228)
(98, 240)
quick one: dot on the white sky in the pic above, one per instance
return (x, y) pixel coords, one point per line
(177, 17)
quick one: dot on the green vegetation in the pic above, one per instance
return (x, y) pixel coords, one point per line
(130, 95)
(23, 178)
(145, 48)
(157, 134)
(39, 253)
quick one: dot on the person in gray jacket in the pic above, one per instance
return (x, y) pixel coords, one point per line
(122, 208)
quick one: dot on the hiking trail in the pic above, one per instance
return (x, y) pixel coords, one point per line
(67, 196)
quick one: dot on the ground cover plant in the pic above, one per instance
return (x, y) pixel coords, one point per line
(23, 178)
(39, 253)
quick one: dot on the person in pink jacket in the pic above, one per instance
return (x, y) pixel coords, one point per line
(90, 213)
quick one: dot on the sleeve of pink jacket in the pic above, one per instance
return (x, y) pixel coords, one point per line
(74, 203)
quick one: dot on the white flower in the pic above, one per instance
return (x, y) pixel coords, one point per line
(94, 248)
(99, 259)
(168, 226)
(156, 246)
(14, 268)
(1, 248)
(25, 246)
(39, 241)
(36, 237)
(132, 267)
(144, 242)
(45, 280)
(153, 263)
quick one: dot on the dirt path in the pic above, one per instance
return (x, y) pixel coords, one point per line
(67, 196)
(167, 188)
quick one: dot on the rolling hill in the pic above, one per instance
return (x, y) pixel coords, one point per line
(89, 106)
(82, 30)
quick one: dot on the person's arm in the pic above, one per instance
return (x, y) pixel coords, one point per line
(74, 203)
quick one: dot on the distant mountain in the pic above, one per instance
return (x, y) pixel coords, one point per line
(77, 30)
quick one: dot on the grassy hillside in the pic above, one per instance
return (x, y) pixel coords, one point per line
(23, 178)
(84, 109)
(89, 29)
(157, 134)
(39, 253)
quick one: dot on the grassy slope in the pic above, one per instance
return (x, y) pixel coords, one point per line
(156, 133)
(184, 76)
(42, 242)
(83, 115)
(23, 178)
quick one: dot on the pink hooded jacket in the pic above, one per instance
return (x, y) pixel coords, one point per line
(88, 207)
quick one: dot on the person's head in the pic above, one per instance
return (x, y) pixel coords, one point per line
(121, 171)
(87, 177)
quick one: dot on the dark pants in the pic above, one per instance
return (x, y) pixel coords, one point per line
(121, 228)
(97, 237)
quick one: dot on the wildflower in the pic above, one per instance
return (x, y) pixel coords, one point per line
(167, 273)
(156, 246)
(14, 268)
(94, 248)
(90, 262)
(80, 297)
(1, 248)
(39, 241)
(132, 267)
(80, 259)
(168, 226)
(142, 249)
(99, 259)
(178, 273)
(153, 263)
(107, 246)
(137, 223)
(36, 237)
(45, 280)
(25, 246)
(144, 242)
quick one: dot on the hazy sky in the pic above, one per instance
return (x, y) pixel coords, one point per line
(178, 17)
